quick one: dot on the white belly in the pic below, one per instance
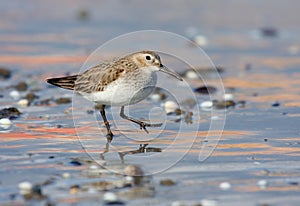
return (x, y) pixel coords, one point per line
(125, 91)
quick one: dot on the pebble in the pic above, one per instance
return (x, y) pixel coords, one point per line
(225, 185)
(207, 202)
(74, 189)
(206, 90)
(22, 86)
(5, 121)
(94, 167)
(110, 197)
(66, 175)
(10, 112)
(63, 100)
(14, 94)
(167, 182)
(200, 40)
(75, 163)
(276, 104)
(31, 97)
(178, 203)
(228, 97)
(4, 73)
(224, 104)
(206, 105)
(262, 184)
(23, 102)
(170, 107)
(191, 74)
(133, 170)
(25, 187)
(269, 32)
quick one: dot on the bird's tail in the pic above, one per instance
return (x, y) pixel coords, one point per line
(67, 82)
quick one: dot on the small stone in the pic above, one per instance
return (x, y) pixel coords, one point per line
(206, 105)
(74, 189)
(269, 32)
(129, 179)
(23, 102)
(200, 40)
(167, 182)
(170, 107)
(66, 175)
(178, 203)
(276, 104)
(208, 202)
(14, 94)
(5, 121)
(94, 167)
(83, 15)
(223, 104)
(31, 97)
(10, 112)
(63, 100)
(133, 170)
(22, 86)
(110, 197)
(225, 185)
(191, 74)
(75, 163)
(262, 184)
(228, 97)
(25, 187)
(4, 73)
(206, 90)
(158, 97)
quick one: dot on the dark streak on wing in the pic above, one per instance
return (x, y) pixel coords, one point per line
(67, 82)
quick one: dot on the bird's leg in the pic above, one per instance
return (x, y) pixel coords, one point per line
(109, 134)
(143, 125)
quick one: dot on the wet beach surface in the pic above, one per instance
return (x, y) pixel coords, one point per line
(256, 160)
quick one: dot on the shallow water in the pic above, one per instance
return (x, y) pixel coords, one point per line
(260, 141)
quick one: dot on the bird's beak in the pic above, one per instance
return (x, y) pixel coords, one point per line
(164, 69)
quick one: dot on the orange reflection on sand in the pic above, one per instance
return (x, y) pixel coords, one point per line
(41, 60)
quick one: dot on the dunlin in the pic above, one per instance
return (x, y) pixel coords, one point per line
(118, 82)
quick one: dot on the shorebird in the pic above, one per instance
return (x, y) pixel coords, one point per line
(120, 81)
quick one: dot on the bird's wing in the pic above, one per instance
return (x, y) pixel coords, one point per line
(97, 78)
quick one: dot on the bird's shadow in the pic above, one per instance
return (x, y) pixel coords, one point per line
(142, 148)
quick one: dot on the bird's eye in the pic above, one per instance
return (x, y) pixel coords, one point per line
(148, 57)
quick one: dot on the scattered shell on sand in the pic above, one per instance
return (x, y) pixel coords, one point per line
(25, 187)
(225, 185)
(170, 106)
(228, 97)
(23, 102)
(262, 184)
(208, 202)
(206, 105)
(14, 94)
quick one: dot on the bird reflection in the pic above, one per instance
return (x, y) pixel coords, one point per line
(143, 148)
